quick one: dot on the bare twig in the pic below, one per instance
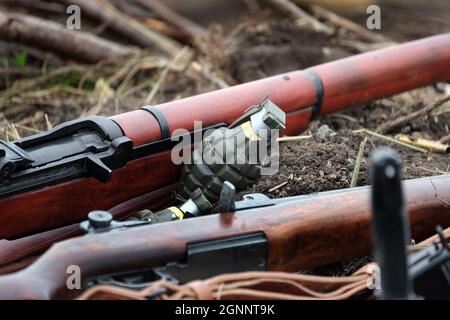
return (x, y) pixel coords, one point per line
(363, 46)
(207, 74)
(27, 85)
(47, 122)
(248, 23)
(27, 71)
(126, 26)
(345, 23)
(343, 116)
(435, 171)
(291, 10)
(399, 122)
(278, 186)
(167, 29)
(102, 65)
(132, 9)
(294, 138)
(36, 117)
(8, 47)
(163, 74)
(14, 131)
(102, 93)
(445, 139)
(36, 4)
(174, 18)
(380, 136)
(33, 130)
(355, 174)
(253, 6)
(52, 36)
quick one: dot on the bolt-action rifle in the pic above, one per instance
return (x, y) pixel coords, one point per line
(258, 234)
(57, 177)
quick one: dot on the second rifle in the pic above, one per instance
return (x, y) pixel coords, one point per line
(260, 234)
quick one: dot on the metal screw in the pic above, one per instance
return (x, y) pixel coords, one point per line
(100, 219)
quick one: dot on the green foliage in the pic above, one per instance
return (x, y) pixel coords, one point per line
(20, 59)
(89, 86)
(73, 79)
(69, 80)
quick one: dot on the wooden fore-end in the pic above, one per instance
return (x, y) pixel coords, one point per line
(70, 202)
(13, 250)
(301, 234)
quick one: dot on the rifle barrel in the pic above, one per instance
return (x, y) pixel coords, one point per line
(303, 94)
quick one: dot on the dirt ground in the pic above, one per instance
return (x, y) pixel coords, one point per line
(325, 164)
(316, 165)
(264, 46)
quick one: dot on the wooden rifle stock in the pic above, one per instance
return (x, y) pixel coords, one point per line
(302, 94)
(301, 233)
(13, 250)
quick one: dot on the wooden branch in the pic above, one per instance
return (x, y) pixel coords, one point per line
(11, 48)
(167, 29)
(52, 36)
(399, 122)
(292, 11)
(345, 23)
(133, 10)
(36, 5)
(445, 139)
(126, 26)
(27, 72)
(174, 18)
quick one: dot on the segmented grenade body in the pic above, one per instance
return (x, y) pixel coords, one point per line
(235, 154)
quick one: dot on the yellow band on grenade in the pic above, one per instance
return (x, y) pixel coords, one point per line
(177, 212)
(249, 132)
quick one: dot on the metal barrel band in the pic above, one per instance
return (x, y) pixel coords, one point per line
(320, 91)
(161, 118)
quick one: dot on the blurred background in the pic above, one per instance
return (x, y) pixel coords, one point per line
(402, 19)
